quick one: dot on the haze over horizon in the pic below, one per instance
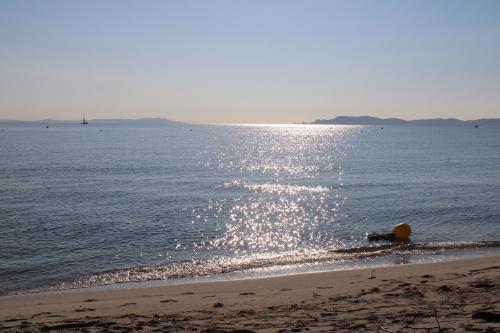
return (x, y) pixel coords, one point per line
(249, 62)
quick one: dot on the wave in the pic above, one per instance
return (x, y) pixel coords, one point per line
(223, 265)
(411, 247)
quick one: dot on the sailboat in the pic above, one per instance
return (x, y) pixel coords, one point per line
(84, 122)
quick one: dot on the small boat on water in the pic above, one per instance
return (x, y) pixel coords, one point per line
(84, 122)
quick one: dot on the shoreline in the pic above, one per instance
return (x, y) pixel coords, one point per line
(393, 297)
(369, 261)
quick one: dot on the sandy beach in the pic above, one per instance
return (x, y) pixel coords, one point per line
(453, 296)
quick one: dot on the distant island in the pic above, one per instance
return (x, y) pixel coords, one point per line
(141, 121)
(367, 120)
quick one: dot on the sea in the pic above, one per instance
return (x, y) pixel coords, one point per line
(87, 206)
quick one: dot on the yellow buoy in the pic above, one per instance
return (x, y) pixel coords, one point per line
(402, 232)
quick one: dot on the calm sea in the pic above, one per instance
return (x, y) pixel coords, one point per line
(84, 206)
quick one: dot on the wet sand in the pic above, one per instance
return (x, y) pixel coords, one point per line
(452, 296)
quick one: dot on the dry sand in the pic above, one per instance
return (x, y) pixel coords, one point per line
(453, 296)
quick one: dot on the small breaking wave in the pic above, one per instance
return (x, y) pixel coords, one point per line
(223, 265)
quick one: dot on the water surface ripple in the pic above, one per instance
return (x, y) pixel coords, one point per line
(84, 205)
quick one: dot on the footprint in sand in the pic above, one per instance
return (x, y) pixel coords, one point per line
(473, 271)
(40, 314)
(14, 319)
(84, 310)
(90, 300)
(482, 284)
(127, 304)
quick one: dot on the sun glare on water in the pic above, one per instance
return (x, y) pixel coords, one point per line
(288, 186)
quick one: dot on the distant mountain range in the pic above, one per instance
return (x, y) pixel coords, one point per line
(141, 121)
(340, 120)
(366, 120)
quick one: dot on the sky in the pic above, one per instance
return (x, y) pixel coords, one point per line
(269, 61)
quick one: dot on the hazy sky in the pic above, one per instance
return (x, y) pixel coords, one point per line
(249, 61)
